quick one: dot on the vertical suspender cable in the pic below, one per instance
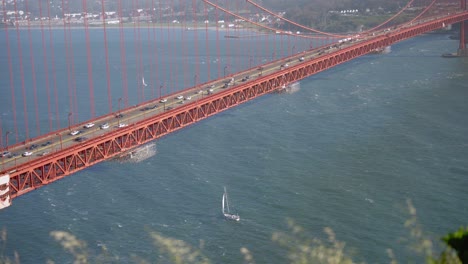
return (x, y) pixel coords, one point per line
(88, 59)
(227, 42)
(135, 48)
(33, 72)
(20, 58)
(238, 59)
(106, 51)
(151, 47)
(139, 56)
(173, 50)
(75, 114)
(207, 44)
(218, 52)
(67, 59)
(169, 49)
(161, 59)
(12, 84)
(168, 52)
(184, 51)
(54, 73)
(46, 68)
(249, 42)
(197, 54)
(123, 61)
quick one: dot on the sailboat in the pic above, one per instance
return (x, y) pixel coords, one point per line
(143, 81)
(226, 212)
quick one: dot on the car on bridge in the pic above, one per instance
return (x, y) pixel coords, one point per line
(163, 100)
(120, 115)
(46, 143)
(122, 125)
(5, 154)
(80, 139)
(74, 133)
(12, 155)
(89, 125)
(104, 126)
(146, 108)
(27, 153)
(33, 146)
(180, 97)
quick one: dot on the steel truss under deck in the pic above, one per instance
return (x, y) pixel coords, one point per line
(55, 166)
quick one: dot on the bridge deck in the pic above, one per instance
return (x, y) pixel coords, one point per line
(64, 155)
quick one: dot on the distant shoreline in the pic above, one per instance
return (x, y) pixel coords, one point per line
(188, 27)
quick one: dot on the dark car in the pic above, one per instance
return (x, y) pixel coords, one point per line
(12, 155)
(33, 146)
(148, 108)
(119, 116)
(80, 139)
(46, 143)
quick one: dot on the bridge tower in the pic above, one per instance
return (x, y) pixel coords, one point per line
(463, 50)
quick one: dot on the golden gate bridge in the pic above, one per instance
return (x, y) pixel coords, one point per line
(67, 108)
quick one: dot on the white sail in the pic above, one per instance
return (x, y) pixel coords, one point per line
(227, 201)
(143, 81)
(225, 204)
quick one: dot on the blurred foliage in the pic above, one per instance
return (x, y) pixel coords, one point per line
(302, 247)
(178, 251)
(458, 240)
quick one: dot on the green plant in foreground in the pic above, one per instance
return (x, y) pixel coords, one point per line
(458, 240)
(423, 245)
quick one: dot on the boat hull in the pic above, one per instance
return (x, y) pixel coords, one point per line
(231, 217)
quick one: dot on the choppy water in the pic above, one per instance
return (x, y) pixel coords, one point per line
(346, 150)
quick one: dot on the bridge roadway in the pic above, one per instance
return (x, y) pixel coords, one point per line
(150, 120)
(63, 139)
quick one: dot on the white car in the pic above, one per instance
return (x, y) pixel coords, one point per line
(188, 98)
(27, 153)
(122, 125)
(104, 126)
(89, 125)
(180, 97)
(210, 90)
(75, 132)
(163, 100)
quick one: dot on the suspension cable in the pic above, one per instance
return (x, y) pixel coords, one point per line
(292, 22)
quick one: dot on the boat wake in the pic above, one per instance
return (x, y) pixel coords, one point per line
(139, 154)
(290, 88)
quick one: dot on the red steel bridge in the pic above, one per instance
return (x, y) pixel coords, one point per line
(72, 78)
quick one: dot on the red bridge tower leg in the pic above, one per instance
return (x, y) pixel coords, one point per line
(462, 50)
